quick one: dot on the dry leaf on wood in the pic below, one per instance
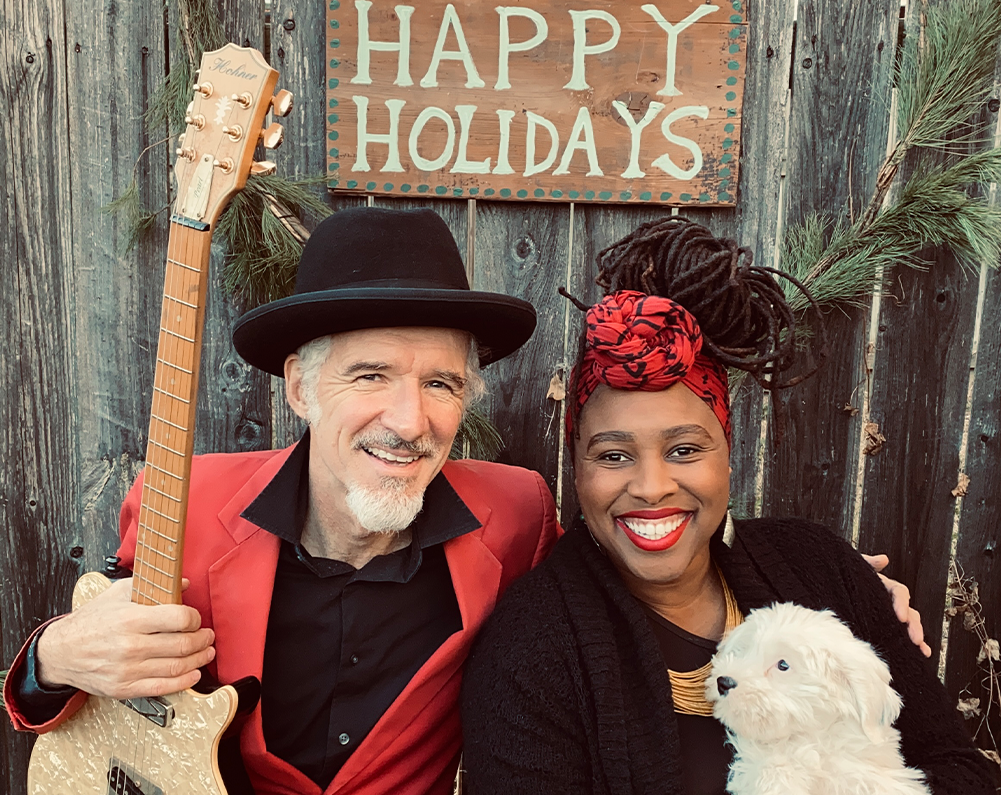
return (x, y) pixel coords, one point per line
(962, 486)
(990, 649)
(557, 391)
(874, 439)
(850, 410)
(970, 707)
(992, 755)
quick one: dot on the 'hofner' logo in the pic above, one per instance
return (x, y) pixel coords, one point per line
(233, 71)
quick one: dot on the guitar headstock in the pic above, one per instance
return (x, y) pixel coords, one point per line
(225, 123)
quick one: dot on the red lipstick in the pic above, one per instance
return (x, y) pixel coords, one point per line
(647, 544)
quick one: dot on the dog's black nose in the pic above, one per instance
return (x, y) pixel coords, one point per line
(725, 683)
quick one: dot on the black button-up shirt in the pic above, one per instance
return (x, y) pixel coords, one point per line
(342, 643)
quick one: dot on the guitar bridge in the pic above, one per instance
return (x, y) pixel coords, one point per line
(124, 780)
(154, 709)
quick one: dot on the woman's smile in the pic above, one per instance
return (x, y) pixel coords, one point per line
(654, 531)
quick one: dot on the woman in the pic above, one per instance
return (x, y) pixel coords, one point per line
(589, 676)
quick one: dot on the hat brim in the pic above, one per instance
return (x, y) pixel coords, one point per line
(265, 336)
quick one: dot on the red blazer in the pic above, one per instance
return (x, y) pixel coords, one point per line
(414, 748)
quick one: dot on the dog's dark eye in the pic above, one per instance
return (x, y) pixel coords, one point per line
(782, 665)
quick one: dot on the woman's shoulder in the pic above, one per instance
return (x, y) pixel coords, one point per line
(790, 534)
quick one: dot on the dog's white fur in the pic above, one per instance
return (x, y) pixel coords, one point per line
(823, 726)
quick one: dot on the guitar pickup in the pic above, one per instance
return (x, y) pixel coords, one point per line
(125, 780)
(154, 709)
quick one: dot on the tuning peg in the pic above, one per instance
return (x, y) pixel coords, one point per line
(243, 100)
(281, 103)
(189, 109)
(263, 168)
(225, 165)
(180, 138)
(272, 137)
(188, 154)
(205, 89)
(235, 132)
(197, 121)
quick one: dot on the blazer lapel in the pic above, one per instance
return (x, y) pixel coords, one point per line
(476, 575)
(240, 587)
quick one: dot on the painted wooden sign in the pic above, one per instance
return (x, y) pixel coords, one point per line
(555, 100)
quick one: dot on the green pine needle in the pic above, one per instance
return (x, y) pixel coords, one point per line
(945, 73)
(943, 79)
(264, 254)
(138, 220)
(484, 440)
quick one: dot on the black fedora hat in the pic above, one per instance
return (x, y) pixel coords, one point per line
(371, 267)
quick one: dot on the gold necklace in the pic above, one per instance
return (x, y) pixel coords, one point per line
(688, 689)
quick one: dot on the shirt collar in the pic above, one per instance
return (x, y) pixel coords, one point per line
(280, 508)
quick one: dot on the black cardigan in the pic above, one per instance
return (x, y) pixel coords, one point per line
(566, 691)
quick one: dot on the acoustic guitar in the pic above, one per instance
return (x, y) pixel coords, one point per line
(168, 745)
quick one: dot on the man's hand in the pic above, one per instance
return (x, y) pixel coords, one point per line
(901, 597)
(112, 647)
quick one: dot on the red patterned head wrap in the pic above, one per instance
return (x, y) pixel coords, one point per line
(636, 341)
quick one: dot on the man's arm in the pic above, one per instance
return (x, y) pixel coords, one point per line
(109, 647)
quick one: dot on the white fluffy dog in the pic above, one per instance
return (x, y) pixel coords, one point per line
(808, 707)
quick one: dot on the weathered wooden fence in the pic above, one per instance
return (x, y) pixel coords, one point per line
(80, 318)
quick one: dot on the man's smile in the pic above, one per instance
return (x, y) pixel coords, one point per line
(394, 458)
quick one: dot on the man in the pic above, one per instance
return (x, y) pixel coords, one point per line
(350, 572)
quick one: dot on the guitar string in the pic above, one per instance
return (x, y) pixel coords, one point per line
(173, 354)
(166, 351)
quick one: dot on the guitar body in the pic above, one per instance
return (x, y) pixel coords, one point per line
(107, 738)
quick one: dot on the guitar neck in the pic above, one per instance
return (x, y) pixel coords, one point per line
(160, 541)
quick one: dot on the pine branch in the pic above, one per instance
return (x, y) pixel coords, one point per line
(485, 441)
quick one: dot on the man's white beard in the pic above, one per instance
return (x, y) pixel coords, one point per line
(388, 509)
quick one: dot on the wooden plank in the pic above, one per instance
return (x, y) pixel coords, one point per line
(759, 209)
(522, 250)
(117, 295)
(298, 52)
(838, 128)
(919, 396)
(39, 493)
(540, 122)
(918, 401)
(980, 524)
(980, 518)
(243, 22)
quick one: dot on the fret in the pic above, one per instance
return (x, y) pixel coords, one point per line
(164, 471)
(159, 552)
(157, 569)
(172, 365)
(183, 265)
(168, 518)
(148, 581)
(178, 300)
(175, 334)
(162, 493)
(155, 532)
(171, 424)
(170, 394)
(168, 449)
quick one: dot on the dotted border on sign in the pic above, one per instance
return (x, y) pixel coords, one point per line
(736, 33)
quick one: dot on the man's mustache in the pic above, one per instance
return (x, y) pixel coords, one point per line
(425, 445)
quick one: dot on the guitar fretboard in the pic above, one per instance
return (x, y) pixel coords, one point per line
(160, 543)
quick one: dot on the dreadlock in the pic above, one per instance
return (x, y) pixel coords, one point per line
(745, 319)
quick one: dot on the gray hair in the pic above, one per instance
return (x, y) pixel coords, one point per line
(314, 353)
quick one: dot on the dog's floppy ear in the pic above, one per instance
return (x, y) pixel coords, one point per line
(866, 682)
